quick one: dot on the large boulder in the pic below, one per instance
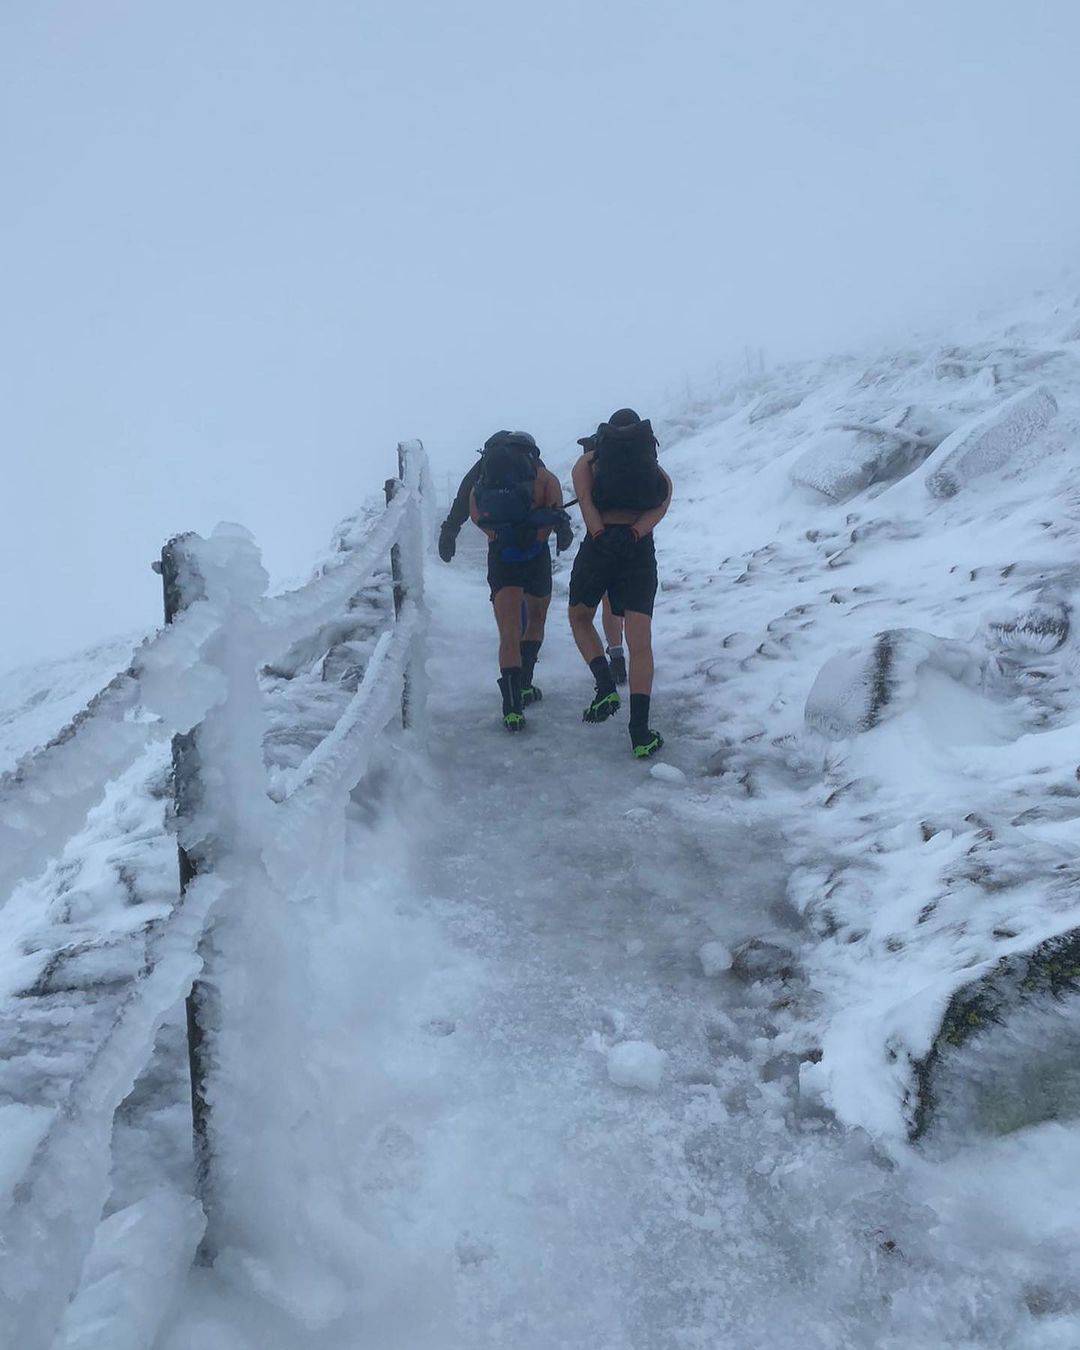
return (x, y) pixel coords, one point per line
(993, 441)
(846, 459)
(1007, 1052)
(858, 688)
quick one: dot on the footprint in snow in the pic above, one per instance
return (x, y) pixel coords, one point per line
(442, 1026)
(472, 1252)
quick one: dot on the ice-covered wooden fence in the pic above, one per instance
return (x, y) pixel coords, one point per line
(249, 847)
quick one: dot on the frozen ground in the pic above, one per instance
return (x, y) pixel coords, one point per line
(611, 1059)
(549, 904)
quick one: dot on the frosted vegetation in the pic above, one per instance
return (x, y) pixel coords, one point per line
(525, 1045)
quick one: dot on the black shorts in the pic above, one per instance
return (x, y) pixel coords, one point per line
(616, 564)
(534, 576)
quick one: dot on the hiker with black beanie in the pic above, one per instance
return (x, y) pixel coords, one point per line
(623, 494)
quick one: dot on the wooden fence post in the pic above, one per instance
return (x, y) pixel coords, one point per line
(393, 487)
(182, 586)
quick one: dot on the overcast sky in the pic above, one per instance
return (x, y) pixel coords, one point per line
(247, 245)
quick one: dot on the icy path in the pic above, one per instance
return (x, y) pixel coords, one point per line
(550, 903)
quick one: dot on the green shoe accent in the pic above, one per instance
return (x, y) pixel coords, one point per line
(649, 747)
(602, 707)
(514, 722)
(531, 694)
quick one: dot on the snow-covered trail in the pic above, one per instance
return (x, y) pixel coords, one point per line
(585, 888)
(561, 1210)
(548, 901)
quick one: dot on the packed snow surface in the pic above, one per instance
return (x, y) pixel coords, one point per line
(868, 682)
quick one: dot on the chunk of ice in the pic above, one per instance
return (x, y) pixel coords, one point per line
(636, 1064)
(715, 957)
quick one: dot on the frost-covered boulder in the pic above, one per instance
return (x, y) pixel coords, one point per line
(1007, 1051)
(845, 460)
(990, 442)
(858, 688)
(1038, 628)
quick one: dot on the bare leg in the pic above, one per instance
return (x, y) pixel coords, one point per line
(537, 607)
(613, 624)
(639, 640)
(584, 630)
(507, 605)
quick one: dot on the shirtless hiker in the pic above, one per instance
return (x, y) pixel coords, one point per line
(517, 503)
(623, 494)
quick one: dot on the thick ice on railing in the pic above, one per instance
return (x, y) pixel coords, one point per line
(286, 618)
(48, 1219)
(268, 859)
(336, 765)
(45, 797)
(278, 862)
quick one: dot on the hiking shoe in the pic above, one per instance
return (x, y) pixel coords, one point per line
(617, 662)
(645, 743)
(602, 707)
(532, 693)
(513, 721)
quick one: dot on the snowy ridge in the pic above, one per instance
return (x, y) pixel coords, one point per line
(38, 701)
(889, 661)
(98, 948)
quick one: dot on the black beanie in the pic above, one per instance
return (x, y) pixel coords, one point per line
(625, 417)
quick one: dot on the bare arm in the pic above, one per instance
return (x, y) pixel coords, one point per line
(583, 486)
(648, 520)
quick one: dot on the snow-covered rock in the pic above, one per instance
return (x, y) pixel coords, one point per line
(855, 690)
(1041, 627)
(843, 461)
(759, 959)
(995, 440)
(1005, 1053)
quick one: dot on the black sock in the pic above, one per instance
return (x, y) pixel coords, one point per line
(529, 652)
(602, 675)
(510, 684)
(639, 712)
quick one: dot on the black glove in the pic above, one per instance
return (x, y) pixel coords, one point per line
(447, 541)
(564, 535)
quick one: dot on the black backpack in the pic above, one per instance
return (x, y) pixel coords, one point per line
(626, 474)
(507, 477)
